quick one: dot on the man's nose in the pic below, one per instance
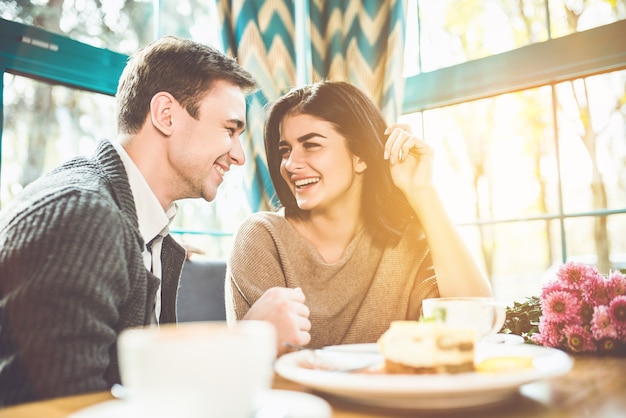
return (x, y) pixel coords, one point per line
(236, 153)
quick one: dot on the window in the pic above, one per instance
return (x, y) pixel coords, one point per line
(46, 124)
(529, 133)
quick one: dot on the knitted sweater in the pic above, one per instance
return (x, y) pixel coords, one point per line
(352, 300)
(72, 278)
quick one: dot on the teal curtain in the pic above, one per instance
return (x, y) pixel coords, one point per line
(284, 43)
(361, 41)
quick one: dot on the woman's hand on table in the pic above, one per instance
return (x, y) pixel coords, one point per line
(285, 308)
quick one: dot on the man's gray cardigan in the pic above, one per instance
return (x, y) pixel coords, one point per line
(72, 278)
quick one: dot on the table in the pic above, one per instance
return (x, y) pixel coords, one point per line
(596, 388)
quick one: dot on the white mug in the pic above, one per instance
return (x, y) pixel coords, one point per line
(197, 369)
(485, 315)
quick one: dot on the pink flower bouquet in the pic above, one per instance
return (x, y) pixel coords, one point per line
(583, 311)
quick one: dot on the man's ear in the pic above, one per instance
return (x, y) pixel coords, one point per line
(161, 107)
(359, 165)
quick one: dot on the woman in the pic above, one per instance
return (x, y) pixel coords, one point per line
(362, 236)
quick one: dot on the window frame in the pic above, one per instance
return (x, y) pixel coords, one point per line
(36, 53)
(544, 63)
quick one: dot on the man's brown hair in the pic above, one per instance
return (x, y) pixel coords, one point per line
(181, 67)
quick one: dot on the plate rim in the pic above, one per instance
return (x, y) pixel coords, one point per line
(387, 390)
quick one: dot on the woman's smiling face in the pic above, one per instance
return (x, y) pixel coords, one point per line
(316, 163)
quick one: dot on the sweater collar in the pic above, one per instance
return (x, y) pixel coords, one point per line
(111, 164)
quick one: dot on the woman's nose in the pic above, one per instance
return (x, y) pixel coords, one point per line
(293, 161)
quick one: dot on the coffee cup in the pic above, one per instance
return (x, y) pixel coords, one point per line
(485, 315)
(197, 369)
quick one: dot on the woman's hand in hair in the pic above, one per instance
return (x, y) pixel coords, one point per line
(410, 158)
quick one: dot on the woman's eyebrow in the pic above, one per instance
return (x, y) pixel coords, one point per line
(309, 136)
(303, 138)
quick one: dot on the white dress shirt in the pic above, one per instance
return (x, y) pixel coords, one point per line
(153, 220)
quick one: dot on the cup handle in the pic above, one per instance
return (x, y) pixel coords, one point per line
(498, 313)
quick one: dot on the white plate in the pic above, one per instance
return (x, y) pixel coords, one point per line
(274, 404)
(443, 391)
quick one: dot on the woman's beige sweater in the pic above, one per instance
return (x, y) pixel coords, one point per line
(351, 301)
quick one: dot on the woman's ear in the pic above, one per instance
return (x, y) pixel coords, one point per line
(161, 107)
(359, 165)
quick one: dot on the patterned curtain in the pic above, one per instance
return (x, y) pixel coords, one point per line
(360, 41)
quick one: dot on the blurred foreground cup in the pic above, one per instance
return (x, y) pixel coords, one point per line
(485, 315)
(197, 369)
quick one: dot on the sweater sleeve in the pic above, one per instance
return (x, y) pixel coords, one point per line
(254, 266)
(63, 281)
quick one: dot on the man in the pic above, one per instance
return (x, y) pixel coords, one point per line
(85, 250)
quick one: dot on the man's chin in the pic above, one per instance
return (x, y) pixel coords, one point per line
(208, 198)
(209, 195)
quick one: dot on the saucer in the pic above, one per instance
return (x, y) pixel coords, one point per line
(274, 404)
(287, 403)
(502, 338)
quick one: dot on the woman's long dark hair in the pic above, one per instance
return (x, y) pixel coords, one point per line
(387, 211)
